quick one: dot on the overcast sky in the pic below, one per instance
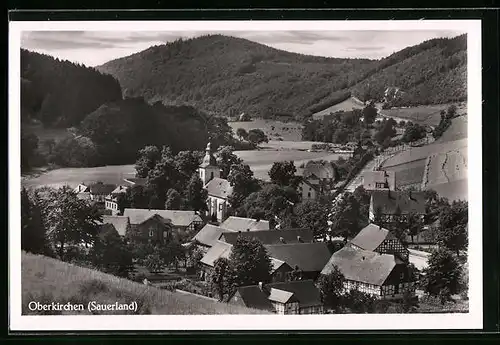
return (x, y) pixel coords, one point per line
(94, 48)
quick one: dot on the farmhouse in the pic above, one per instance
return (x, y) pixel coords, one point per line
(383, 276)
(111, 200)
(377, 239)
(393, 205)
(317, 178)
(181, 221)
(286, 236)
(379, 180)
(98, 191)
(218, 189)
(153, 228)
(295, 297)
(308, 190)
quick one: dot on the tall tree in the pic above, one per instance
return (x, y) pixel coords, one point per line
(29, 145)
(442, 276)
(148, 157)
(225, 159)
(452, 230)
(313, 215)
(257, 136)
(220, 278)
(243, 182)
(345, 217)
(249, 263)
(369, 113)
(70, 221)
(110, 254)
(331, 287)
(174, 200)
(283, 173)
(195, 194)
(33, 234)
(242, 133)
(187, 163)
(413, 225)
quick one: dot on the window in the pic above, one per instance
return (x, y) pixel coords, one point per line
(165, 234)
(212, 175)
(220, 207)
(309, 194)
(151, 233)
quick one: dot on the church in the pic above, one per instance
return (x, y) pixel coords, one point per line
(218, 189)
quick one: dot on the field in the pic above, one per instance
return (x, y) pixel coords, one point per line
(424, 114)
(347, 105)
(439, 166)
(289, 131)
(46, 280)
(457, 130)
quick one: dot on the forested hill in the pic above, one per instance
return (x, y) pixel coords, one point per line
(228, 75)
(61, 93)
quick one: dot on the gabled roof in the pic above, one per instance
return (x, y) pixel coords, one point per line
(371, 236)
(209, 234)
(380, 176)
(219, 250)
(302, 291)
(138, 181)
(105, 229)
(119, 222)
(219, 187)
(242, 224)
(272, 236)
(276, 264)
(309, 257)
(178, 218)
(119, 190)
(322, 170)
(389, 201)
(362, 265)
(101, 188)
(310, 184)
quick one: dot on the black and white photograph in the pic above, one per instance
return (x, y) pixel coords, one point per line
(245, 175)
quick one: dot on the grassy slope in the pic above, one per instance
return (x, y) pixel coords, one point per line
(45, 279)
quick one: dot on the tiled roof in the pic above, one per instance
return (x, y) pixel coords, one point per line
(309, 257)
(219, 187)
(101, 188)
(119, 222)
(178, 218)
(302, 291)
(372, 177)
(119, 190)
(209, 234)
(106, 229)
(242, 224)
(371, 236)
(219, 250)
(389, 201)
(362, 265)
(272, 236)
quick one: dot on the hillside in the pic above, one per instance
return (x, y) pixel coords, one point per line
(48, 280)
(60, 93)
(228, 75)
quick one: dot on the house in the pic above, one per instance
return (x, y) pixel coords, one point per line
(269, 237)
(218, 189)
(377, 239)
(379, 180)
(308, 190)
(111, 200)
(81, 188)
(383, 276)
(99, 191)
(210, 233)
(317, 177)
(120, 223)
(152, 228)
(308, 258)
(181, 221)
(294, 297)
(392, 205)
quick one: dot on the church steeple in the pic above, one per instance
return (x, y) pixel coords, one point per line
(208, 168)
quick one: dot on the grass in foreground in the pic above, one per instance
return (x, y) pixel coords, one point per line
(47, 280)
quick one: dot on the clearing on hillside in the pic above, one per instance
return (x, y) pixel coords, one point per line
(275, 130)
(347, 105)
(45, 280)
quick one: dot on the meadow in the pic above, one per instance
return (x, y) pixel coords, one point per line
(422, 114)
(48, 280)
(347, 105)
(288, 131)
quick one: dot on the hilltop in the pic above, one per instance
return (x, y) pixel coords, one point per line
(50, 280)
(227, 75)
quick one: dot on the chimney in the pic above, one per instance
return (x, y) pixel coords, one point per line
(260, 286)
(299, 239)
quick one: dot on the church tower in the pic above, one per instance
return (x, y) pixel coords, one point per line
(208, 168)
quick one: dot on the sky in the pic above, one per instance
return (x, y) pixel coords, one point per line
(93, 48)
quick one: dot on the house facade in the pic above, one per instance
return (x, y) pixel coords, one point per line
(111, 200)
(155, 229)
(308, 190)
(396, 205)
(318, 177)
(180, 221)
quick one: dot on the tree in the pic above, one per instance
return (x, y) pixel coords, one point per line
(413, 225)
(242, 133)
(174, 200)
(369, 113)
(363, 199)
(413, 132)
(220, 278)
(345, 217)
(195, 194)
(111, 255)
(331, 287)
(249, 263)
(226, 159)
(71, 221)
(154, 262)
(442, 276)
(33, 236)
(378, 217)
(452, 230)
(313, 215)
(359, 302)
(29, 146)
(283, 173)
(49, 143)
(187, 163)
(148, 157)
(243, 182)
(257, 136)
(451, 112)
(173, 253)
